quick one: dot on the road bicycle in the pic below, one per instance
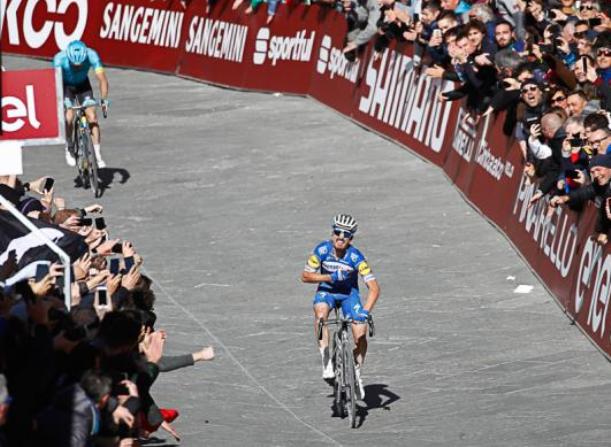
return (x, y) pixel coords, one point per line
(345, 385)
(86, 163)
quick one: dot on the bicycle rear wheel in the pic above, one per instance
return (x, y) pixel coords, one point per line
(350, 384)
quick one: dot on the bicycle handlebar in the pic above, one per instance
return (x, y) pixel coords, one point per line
(97, 104)
(323, 323)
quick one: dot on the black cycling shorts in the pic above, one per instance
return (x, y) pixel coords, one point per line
(77, 94)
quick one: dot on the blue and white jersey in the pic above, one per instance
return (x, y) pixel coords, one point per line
(324, 259)
(77, 75)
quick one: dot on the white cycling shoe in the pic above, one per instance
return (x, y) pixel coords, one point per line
(327, 365)
(98, 157)
(70, 160)
(327, 371)
(361, 388)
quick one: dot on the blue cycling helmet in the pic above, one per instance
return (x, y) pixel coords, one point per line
(76, 52)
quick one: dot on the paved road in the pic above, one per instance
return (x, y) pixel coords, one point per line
(226, 192)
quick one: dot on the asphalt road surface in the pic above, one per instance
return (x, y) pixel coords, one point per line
(225, 193)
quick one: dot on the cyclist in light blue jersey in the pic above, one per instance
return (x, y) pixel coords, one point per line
(335, 266)
(75, 62)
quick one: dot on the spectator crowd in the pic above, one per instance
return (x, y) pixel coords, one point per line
(545, 63)
(77, 370)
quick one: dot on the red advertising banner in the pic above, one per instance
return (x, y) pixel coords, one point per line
(300, 51)
(32, 107)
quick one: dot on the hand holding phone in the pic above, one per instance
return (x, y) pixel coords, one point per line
(49, 182)
(102, 297)
(42, 270)
(114, 263)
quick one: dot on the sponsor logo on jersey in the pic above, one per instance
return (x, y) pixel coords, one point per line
(364, 268)
(282, 48)
(314, 262)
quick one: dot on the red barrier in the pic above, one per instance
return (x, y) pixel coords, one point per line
(300, 52)
(32, 106)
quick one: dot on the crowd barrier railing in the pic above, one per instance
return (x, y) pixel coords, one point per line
(300, 53)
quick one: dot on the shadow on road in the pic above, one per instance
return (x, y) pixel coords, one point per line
(376, 396)
(158, 442)
(107, 178)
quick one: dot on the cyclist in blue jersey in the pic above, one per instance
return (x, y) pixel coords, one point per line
(75, 62)
(335, 266)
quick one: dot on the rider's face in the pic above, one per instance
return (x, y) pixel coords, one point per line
(341, 239)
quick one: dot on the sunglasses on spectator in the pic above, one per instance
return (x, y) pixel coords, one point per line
(558, 99)
(606, 52)
(343, 233)
(588, 7)
(532, 88)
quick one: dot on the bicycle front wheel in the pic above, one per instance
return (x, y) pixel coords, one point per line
(350, 385)
(92, 164)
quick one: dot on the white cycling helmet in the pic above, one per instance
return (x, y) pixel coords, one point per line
(345, 222)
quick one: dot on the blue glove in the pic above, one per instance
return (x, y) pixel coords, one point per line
(339, 276)
(361, 316)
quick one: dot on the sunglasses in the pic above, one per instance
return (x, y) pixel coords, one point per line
(532, 88)
(558, 99)
(343, 233)
(588, 7)
(606, 52)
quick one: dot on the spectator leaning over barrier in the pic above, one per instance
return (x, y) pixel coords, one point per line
(545, 144)
(362, 18)
(530, 112)
(575, 156)
(598, 190)
(67, 370)
(394, 23)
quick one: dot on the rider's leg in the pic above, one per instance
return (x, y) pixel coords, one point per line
(95, 135)
(322, 306)
(359, 333)
(350, 307)
(69, 126)
(321, 312)
(70, 160)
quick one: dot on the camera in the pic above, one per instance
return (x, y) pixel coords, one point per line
(576, 142)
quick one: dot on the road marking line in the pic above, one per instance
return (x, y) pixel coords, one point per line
(237, 362)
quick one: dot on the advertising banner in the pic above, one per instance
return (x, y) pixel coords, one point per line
(299, 51)
(32, 106)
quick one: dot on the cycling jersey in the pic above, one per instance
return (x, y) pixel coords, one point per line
(323, 258)
(77, 75)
